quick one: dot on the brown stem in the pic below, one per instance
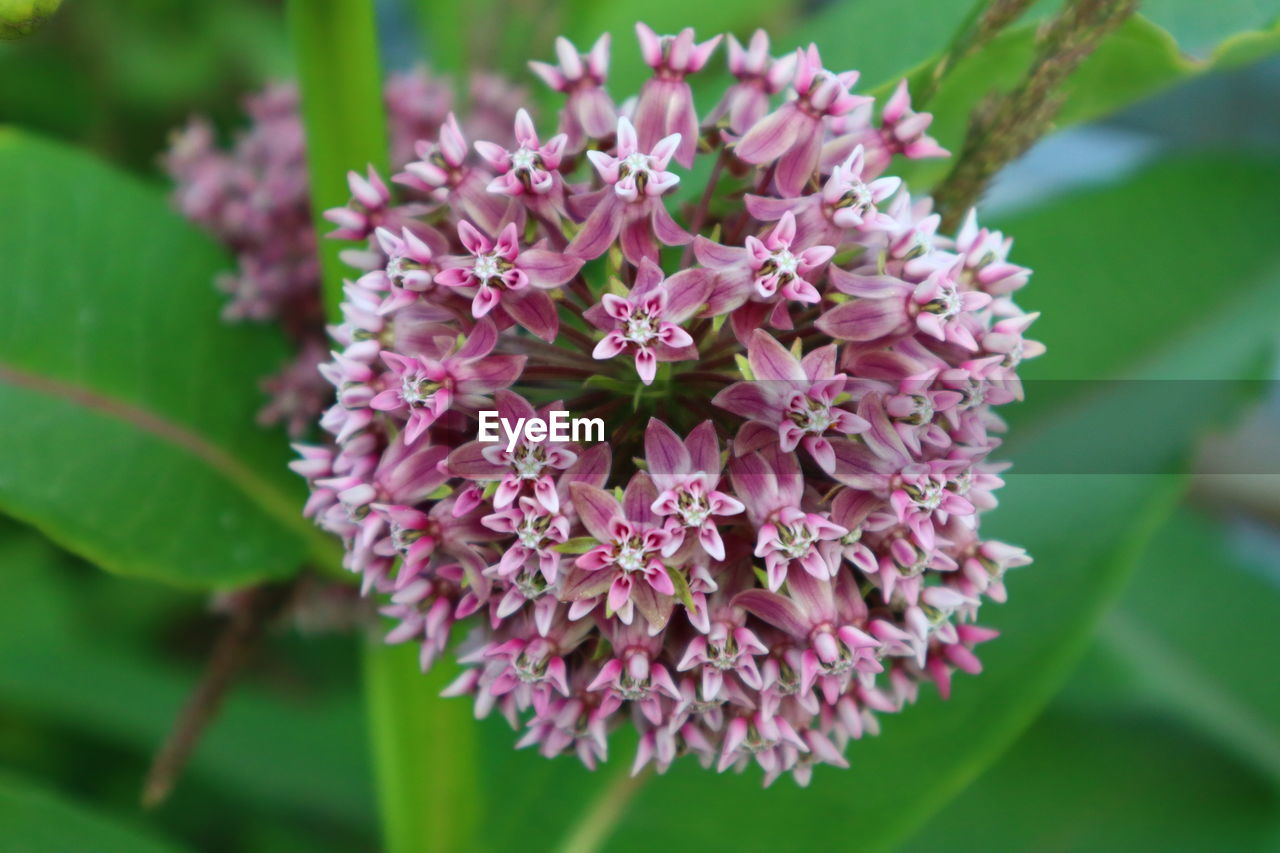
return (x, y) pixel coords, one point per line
(1004, 126)
(233, 649)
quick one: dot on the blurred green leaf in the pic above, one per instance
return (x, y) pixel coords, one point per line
(128, 403)
(1199, 27)
(883, 39)
(1108, 783)
(1136, 61)
(35, 821)
(66, 668)
(1189, 636)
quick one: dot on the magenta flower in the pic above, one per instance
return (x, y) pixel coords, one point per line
(502, 274)
(630, 204)
(588, 111)
(790, 401)
(687, 473)
(424, 387)
(889, 307)
(771, 486)
(759, 76)
(901, 132)
(799, 544)
(665, 108)
(792, 135)
(823, 618)
(646, 322)
(531, 168)
(632, 542)
(760, 278)
(443, 174)
(536, 463)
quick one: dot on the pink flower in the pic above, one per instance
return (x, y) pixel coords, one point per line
(665, 108)
(630, 551)
(771, 486)
(443, 174)
(798, 548)
(424, 387)
(646, 323)
(901, 132)
(531, 168)
(588, 111)
(630, 205)
(759, 78)
(824, 618)
(687, 473)
(765, 272)
(790, 400)
(792, 135)
(501, 274)
(886, 306)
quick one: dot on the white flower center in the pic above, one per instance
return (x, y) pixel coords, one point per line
(487, 267)
(524, 159)
(795, 540)
(640, 328)
(527, 462)
(417, 390)
(786, 262)
(635, 164)
(631, 556)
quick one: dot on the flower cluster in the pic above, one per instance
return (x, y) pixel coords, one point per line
(253, 199)
(780, 538)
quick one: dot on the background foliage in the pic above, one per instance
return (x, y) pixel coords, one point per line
(1128, 705)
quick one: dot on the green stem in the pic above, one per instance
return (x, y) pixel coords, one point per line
(423, 746)
(601, 818)
(336, 53)
(424, 753)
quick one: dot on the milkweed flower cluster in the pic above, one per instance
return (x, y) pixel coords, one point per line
(780, 539)
(253, 198)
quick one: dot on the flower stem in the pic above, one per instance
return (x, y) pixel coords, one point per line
(590, 833)
(424, 754)
(1005, 126)
(336, 54)
(423, 746)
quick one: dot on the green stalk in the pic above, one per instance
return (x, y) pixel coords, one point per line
(336, 53)
(423, 746)
(423, 751)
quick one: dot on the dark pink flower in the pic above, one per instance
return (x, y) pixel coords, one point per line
(646, 322)
(588, 112)
(502, 274)
(665, 107)
(630, 203)
(791, 136)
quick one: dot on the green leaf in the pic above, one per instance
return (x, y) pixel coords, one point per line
(1089, 783)
(681, 583)
(1189, 638)
(129, 406)
(1136, 61)
(577, 545)
(36, 821)
(263, 744)
(883, 39)
(1199, 27)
